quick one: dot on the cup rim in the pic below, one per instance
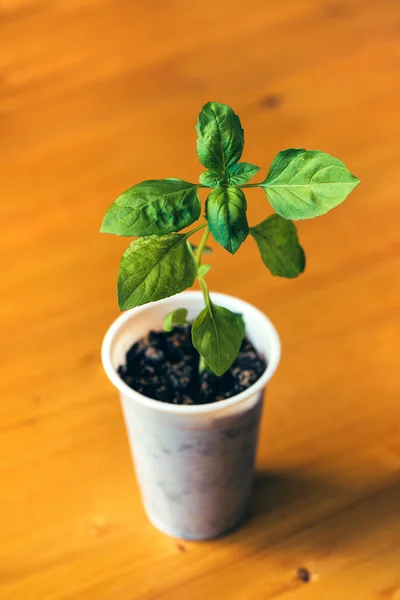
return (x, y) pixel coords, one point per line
(190, 410)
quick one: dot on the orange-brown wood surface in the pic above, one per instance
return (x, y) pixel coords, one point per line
(97, 95)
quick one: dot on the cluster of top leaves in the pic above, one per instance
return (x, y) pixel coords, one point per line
(301, 184)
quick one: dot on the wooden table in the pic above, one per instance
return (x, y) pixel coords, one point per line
(97, 95)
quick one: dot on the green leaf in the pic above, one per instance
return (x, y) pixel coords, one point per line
(211, 178)
(279, 246)
(217, 334)
(303, 184)
(175, 318)
(153, 207)
(153, 268)
(241, 173)
(226, 216)
(220, 137)
(203, 270)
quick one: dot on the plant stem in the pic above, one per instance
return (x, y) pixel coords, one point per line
(205, 291)
(192, 231)
(249, 185)
(202, 364)
(202, 245)
(203, 285)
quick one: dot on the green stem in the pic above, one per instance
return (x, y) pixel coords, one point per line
(192, 231)
(202, 245)
(202, 365)
(205, 291)
(249, 185)
(203, 285)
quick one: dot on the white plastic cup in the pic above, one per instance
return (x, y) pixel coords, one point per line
(194, 464)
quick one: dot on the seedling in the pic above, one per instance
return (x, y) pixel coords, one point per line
(301, 184)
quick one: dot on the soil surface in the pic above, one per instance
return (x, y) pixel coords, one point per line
(164, 366)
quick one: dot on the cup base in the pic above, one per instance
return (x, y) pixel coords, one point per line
(198, 537)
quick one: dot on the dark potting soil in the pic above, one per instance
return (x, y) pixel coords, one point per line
(164, 366)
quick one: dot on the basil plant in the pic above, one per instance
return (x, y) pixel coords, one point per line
(161, 261)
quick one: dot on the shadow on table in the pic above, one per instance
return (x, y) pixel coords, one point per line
(318, 514)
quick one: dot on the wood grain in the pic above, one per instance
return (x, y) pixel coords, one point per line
(96, 95)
